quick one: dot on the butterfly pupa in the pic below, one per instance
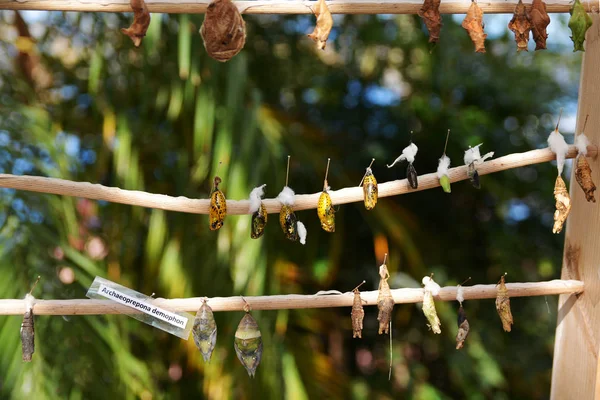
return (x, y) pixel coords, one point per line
(472, 159)
(385, 301)
(370, 191)
(358, 313)
(205, 330)
(503, 305)
(583, 172)
(563, 205)
(258, 211)
(431, 289)
(463, 323)
(442, 170)
(218, 206)
(27, 326)
(292, 228)
(325, 209)
(248, 342)
(409, 153)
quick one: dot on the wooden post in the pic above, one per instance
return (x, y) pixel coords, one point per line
(574, 373)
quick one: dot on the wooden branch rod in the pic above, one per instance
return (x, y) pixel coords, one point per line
(290, 301)
(281, 7)
(240, 207)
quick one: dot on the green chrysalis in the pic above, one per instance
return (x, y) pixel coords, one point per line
(579, 23)
(205, 331)
(445, 183)
(248, 343)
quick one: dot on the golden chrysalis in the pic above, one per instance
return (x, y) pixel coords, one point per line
(563, 204)
(248, 342)
(325, 209)
(358, 313)
(288, 222)
(218, 206)
(259, 212)
(205, 330)
(370, 191)
(463, 328)
(223, 30)
(27, 326)
(141, 21)
(323, 25)
(431, 289)
(503, 305)
(385, 301)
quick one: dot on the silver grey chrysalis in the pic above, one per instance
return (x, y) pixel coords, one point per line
(205, 330)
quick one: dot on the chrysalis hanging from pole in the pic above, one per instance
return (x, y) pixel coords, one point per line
(205, 330)
(323, 26)
(258, 211)
(358, 313)
(140, 24)
(583, 172)
(521, 26)
(325, 209)
(579, 23)
(385, 301)
(442, 170)
(370, 191)
(431, 289)
(292, 228)
(223, 30)
(463, 323)
(248, 342)
(503, 305)
(472, 160)
(559, 146)
(218, 206)
(408, 154)
(473, 24)
(27, 326)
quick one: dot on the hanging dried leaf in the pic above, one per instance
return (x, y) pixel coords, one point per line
(473, 176)
(539, 19)
(370, 190)
(430, 13)
(503, 305)
(326, 212)
(141, 21)
(248, 343)
(288, 222)
(385, 301)
(205, 331)
(259, 222)
(473, 23)
(411, 175)
(463, 328)
(357, 315)
(521, 26)
(27, 331)
(563, 204)
(218, 206)
(579, 23)
(583, 173)
(223, 30)
(323, 26)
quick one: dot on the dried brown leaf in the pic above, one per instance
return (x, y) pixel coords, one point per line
(323, 26)
(583, 174)
(503, 305)
(141, 21)
(385, 301)
(539, 19)
(473, 23)
(358, 314)
(463, 328)
(563, 204)
(223, 30)
(430, 13)
(521, 26)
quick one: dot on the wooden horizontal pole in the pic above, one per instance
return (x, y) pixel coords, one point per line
(278, 6)
(240, 207)
(289, 301)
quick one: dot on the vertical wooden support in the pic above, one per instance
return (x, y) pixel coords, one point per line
(575, 368)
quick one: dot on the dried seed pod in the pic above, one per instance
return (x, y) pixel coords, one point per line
(370, 191)
(223, 30)
(141, 21)
(218, 206)
(323, 26)
(539, 19)
(259, 212)
(248, 343)
(411, 175)
(430, 13)
(27, 330)
(473, 23)
(583, 173)
(579, 23)
(521, 26)
(358, 314)
(385, 301)
(503, 305)
(326, 212)
(431, 289)
(463, 328)
(563, 204)
(205, 331)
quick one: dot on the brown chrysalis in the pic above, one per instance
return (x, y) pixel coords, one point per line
(27, 327)
(521, 26)
(223, 30)
(430, 13)
(463, 328)
(583, 174)
(503, 305)
(563, 204)
(323, 25)
(141, 21)
(385, 301)
(358, 314)
(539, 19)
(473, 23)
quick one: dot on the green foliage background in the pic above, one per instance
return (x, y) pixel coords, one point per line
(83, 104)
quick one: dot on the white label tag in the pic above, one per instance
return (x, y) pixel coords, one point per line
(143, 309)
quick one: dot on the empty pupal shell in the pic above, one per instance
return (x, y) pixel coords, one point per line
(358, 314)
(463, 328)
(218, 206)
(503, 306)
(205, 331)
(370, 190)
(259, 221)
(326, 213)
(385, 301)
(583, 173)
(248, 344)
(28, 334)
(288, 222)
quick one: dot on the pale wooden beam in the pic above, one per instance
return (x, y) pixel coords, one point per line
(578, 328)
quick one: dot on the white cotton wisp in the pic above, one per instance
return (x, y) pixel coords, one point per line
(582, 142)
(29, 300)
(443, 166)
(286, 197)
(472, 154)
(408, 153)
(256, 198)
(431, 285)
(460, 294)
(559, 146)
(302, 232)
